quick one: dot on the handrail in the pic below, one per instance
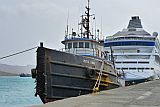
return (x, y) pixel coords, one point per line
(84, 51)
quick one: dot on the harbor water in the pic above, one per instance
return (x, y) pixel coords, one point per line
(17, 92)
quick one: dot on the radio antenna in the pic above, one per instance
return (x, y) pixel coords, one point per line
(67, 22)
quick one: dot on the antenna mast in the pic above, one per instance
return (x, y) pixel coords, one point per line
(87, 19)
(67, 24)
(101, 30)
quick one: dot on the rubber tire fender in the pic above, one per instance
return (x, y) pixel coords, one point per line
(90, 73)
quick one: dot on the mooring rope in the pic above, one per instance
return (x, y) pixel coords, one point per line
(96, 86)
(4, 57)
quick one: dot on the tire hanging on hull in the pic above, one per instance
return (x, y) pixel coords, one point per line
(90, 73)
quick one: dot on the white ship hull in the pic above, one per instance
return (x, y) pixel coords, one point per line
(136, 53)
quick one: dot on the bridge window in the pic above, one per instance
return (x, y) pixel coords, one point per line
(81, 44)
(75, 45)
(69, 45)
(86, 44)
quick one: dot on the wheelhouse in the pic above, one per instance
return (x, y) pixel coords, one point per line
(84, 46)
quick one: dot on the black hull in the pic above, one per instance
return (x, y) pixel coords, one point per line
(61, 75)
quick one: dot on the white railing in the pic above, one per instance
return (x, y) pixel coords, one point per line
(85, 51)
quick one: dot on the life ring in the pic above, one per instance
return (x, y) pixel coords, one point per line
(90, 73)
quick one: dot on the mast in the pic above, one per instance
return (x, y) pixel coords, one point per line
(85, 23)
(67, 22)
(87, 19)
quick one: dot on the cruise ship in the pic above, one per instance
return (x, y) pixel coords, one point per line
(136, 53)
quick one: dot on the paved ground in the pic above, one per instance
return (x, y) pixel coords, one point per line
(141, 95)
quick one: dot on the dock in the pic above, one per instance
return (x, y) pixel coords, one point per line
(142, 95)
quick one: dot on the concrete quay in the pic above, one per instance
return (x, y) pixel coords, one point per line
(141, 95)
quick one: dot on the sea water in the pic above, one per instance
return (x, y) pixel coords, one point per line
(17, 92)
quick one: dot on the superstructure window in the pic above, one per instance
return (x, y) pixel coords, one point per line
(132, 68)
(69, 45)
(147, 68)
(86, 44)
(140, 68)
(75, 45)
(118, 62)
(134, 62)
(124, 68)
(143, 62)
(81, 44)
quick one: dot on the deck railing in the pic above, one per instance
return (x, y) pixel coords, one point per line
(85, 51)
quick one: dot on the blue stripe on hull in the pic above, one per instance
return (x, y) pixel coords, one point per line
(129, 43)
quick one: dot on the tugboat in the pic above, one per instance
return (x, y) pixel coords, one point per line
(80, 68)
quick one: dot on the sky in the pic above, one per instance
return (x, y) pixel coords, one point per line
(25, 23)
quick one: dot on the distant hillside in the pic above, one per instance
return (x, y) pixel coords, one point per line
(7, 74)
(14, 69)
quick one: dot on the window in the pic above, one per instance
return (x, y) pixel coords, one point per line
(75, 45)
(81, 44)
(132, 68)
(140, 68)
(118, 62)
(124, 68)
(143, 62)
(86, 44)
(130, 62)
(147, 68)
(69, 45)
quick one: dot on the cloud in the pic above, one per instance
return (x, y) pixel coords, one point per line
(38, 8)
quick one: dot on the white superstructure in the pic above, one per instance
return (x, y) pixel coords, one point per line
(136, 52)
